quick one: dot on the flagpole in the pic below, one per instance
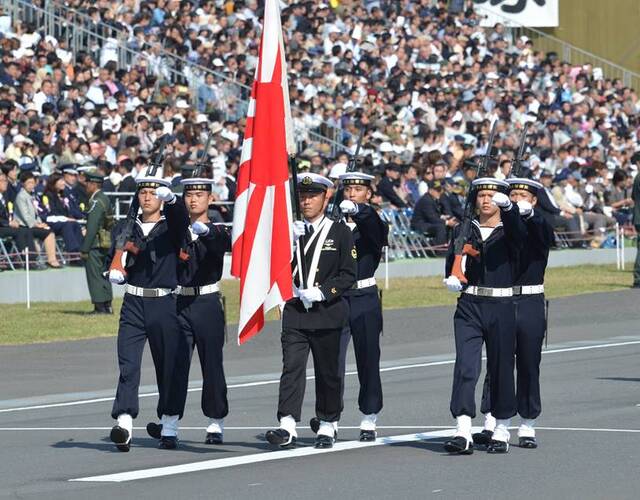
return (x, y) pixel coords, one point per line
(302, 267)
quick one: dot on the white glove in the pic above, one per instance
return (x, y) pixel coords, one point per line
(116, 277)
(165, 194)
(200, 228)
(298, 229)
(348, 207)
(311, 295)
(452, 283)
(525, 208)
(588, 189)
(502, 200)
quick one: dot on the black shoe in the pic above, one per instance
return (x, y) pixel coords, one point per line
(459, 445)
(314, 423)
(121, 438)
(168, 443)
(323, 441)
(482, 438)
(213, 438)
(367, 435)
(498, 447)
(107, 308)
(154, 430)
(281, 438)
(527, 442)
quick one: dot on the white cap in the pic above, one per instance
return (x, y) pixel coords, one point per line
(141, 181)
(201, 119)
(386, 147)
(112, 105)
(182, 104)
(311, 180)
(337, 170)
(203, 183)
(357, 178)
(21, 138)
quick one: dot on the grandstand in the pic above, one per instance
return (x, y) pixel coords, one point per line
(100, 82)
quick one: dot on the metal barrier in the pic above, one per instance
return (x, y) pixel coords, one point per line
(121, 201)
(567, 52)
(82, 33)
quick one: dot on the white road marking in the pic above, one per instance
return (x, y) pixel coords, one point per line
(222, 463)
(226, 428)
(260, 457)
(350, 373)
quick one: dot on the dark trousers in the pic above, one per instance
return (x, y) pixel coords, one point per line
(530, 330)
(438, 231)
(99, 287)
(492, 321)
(71, 234)
(23, 236)
(202, 323)
(636, 267)
(156, 320)
(365, 326)
(325, 349)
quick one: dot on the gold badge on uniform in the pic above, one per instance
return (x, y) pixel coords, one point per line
(354, 253)
(307, 180)
(334, 291)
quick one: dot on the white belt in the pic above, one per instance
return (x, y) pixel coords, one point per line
(528, 290)
(147, 292)
(365, 283)
(193, 291)
(482, 291)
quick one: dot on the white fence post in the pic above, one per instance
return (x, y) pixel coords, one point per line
(26, 259)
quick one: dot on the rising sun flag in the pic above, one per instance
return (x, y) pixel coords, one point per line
(262, 240)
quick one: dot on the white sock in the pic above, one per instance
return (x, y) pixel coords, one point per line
(489, 422)
(126, 422)
(335, 427)
(216, 425)
(169, 425)
(326, 429)
(501, 433)
(527, 427)
(288, 423)
(368, 422)
(463, 427)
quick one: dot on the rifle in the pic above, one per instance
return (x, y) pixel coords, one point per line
(302, 266)
(124, 240)
(197, 172)
(462, 245)
(516, 168)
(336, 214)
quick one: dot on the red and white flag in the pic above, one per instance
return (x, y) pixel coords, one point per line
(262, 238)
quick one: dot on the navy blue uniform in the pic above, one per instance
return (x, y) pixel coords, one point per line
(150, 318)
(365, 316)
(491, 320)
(201, 317)
(531, 324)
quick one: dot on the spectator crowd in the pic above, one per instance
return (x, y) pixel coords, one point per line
(423, 82)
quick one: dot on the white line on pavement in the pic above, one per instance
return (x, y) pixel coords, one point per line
(350, 373)
(301, 452)
(226, 428)
(260, 457)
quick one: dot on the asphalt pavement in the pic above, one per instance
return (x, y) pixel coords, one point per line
(55, 402)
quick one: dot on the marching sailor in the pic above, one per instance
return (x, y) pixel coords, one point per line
(314, 319)
(485, 313)
(531, 321)
(200, 309)
(148, 313)
(365, 316)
